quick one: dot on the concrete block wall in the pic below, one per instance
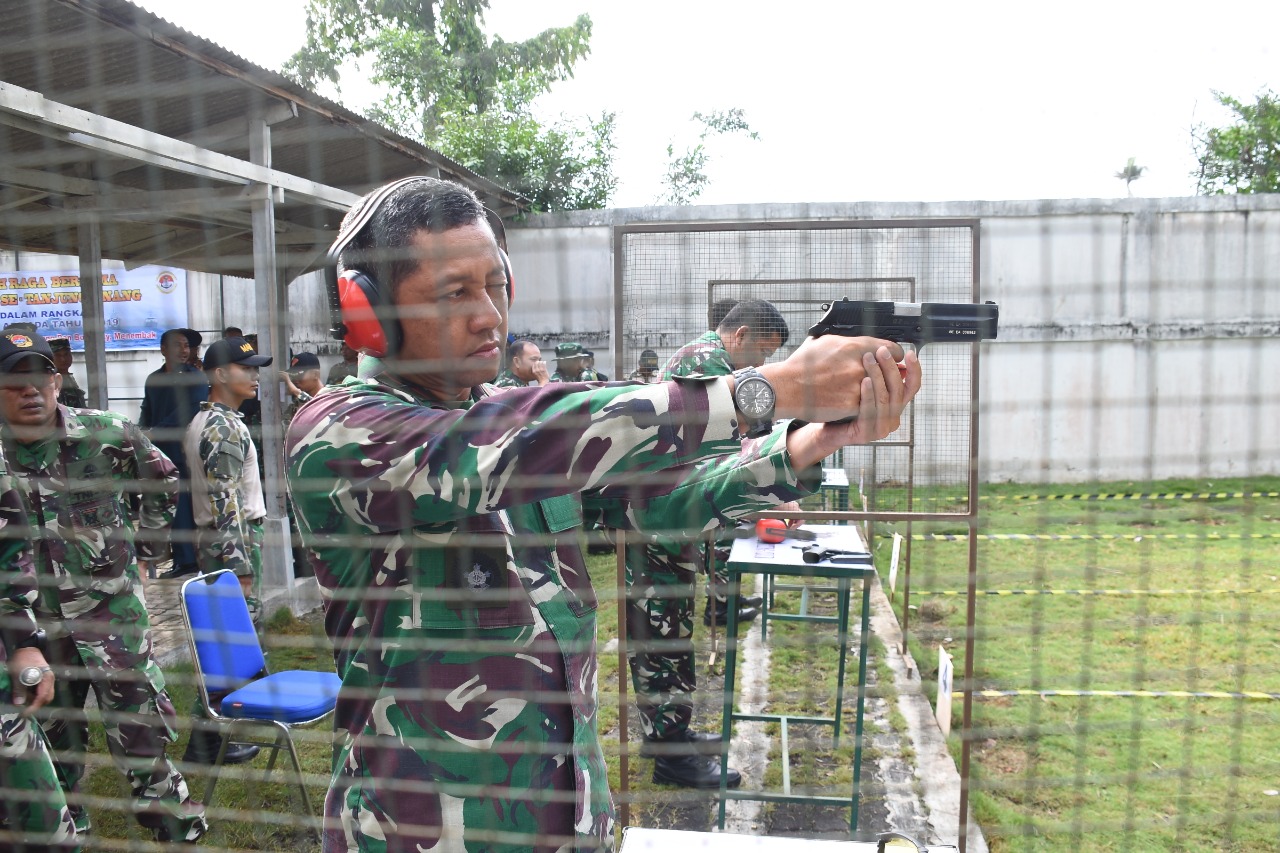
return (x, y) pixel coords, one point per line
(1139, 337)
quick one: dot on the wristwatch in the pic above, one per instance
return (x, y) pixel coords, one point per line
(38, 640)
(754, 397)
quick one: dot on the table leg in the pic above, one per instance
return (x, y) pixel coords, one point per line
(726, 725)
(863, 642)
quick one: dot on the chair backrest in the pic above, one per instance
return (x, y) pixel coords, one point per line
(227, 650)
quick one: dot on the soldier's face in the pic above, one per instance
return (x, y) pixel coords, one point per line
(453, 311)
(240, 380)
(749, 350)
(522, 365)
(29, 395)
(62, 360)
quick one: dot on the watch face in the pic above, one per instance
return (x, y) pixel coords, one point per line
(754, 397)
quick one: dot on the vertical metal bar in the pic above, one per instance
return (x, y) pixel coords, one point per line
(858, 729)
(89, 240)
(277, 555)
(971, 608)
(730, 673)
(624, 721)
(786, 758)
(842, 637)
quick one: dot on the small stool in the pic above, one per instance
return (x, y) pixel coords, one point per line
(751, 556)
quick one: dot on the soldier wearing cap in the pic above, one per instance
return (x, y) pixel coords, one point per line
(226, 489)
(301, 381)
(77, 468)
(571, 364)
(442, 517)
(647, 372)
(71, 394)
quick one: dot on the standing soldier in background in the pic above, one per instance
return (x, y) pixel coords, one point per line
(75, 468)
(72, 394)
(647, 372)
(226, 489)
(34, 806)
(525, 366)
(171, 398)
(662, 571)
(349, 366)
(226, 495)
(571, 364)
(301, 382)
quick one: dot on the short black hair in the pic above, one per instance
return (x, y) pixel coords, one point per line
(381, 248)
(761, 317)
(718, 311)
(515, 349)
(169, 333)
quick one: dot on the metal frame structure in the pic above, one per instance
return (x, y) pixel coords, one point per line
(125, 136)
(869, 514)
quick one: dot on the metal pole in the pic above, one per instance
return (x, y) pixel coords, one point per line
(89, 240)
(277, 556)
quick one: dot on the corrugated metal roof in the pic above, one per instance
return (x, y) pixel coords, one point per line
(115, 59)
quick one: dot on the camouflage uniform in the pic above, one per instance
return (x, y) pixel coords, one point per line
(661, 576)
(34, 804)
(91, 604)
(341, 371)
(507, 379)
(226, 493)
(445, 540)
(651, 378)
(72, 394)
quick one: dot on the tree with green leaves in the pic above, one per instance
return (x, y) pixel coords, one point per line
(451, 86)
(1244, 156)
(686, 175)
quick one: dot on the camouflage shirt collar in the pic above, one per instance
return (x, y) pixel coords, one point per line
(209, 405)
(415, 393)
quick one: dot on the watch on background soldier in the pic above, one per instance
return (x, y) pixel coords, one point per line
(443, 518)
(75, 468)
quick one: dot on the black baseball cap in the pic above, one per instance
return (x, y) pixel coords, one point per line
(304, 361)
(60, 342)
(233, 351)
(16, 345)
(194, 338)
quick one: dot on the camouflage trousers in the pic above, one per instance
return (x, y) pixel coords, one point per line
(139, 720)
(211, 551)
(33, 803)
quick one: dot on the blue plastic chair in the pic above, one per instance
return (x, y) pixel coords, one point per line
(229, 662)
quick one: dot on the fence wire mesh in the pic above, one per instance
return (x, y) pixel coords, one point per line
(1071, 639)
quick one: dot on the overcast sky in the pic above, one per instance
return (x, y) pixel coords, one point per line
(855, 101)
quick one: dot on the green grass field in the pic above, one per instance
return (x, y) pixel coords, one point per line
(1117, 773)
(1060, 773)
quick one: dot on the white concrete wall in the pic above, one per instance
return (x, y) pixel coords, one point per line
(1138, 336)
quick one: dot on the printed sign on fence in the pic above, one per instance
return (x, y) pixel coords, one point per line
(945, 685)
(138, 304)
(893, 563)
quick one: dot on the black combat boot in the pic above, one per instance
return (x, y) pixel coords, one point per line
(203, 749)
(745, 613)
(692, 771)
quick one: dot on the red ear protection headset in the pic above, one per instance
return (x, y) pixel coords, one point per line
(361, 312)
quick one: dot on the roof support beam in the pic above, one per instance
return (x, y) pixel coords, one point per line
(24, 108)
